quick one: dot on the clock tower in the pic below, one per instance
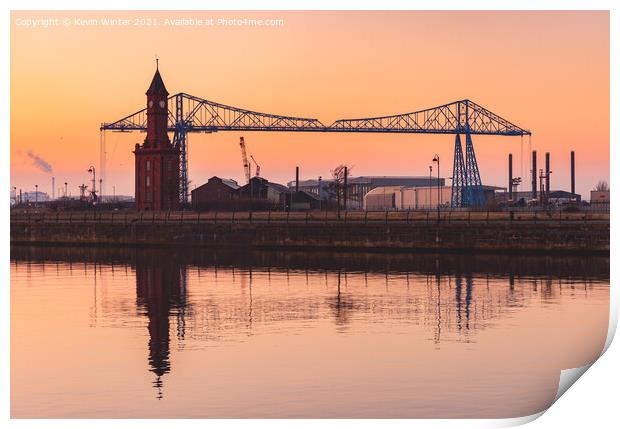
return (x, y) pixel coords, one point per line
(157, 161)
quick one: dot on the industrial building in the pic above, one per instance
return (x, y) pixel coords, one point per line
(417, 198)
(34, 196)
(407, 198)
(260, 188)
(302, 200)
(226, 194)
(358, 187)
(599, 198)
(217, 193)
(540, 192)
(554, 197)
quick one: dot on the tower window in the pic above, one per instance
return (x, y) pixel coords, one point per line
(148, 180)
(148, 165)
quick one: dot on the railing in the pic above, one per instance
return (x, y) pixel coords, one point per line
(311, 217)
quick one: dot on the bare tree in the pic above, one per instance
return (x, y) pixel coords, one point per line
(602, 186)
(336, 187)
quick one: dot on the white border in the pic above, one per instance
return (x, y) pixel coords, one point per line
(593, 401)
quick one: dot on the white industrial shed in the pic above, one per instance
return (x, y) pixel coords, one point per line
(406, 198)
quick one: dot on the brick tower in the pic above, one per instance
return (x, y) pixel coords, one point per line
(157, 161)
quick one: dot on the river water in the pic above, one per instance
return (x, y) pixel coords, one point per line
(179, 334)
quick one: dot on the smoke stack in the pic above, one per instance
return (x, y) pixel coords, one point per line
(346, 179)
(296, 179)
(510, 177)
(53, 189)
(547, 171)
(534, 193)
(572, 172)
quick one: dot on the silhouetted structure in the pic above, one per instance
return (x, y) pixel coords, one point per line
(216, 194)
(157, 160)
(262, 194)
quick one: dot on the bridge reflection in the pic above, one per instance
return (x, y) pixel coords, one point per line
(212, 297)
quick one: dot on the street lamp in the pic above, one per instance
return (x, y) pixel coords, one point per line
(320, 194)
(436, 159)
(430, 184)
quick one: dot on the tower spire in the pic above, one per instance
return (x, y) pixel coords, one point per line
(156, 63)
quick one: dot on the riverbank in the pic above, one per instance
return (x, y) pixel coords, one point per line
(371, 231)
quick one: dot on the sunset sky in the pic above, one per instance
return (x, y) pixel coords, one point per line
(545, 71)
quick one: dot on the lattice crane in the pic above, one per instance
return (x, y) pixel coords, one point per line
(244, 159)
(257, 166)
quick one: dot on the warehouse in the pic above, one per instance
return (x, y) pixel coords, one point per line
(417, 198)
(217, 193)
(406, 198)
(358, 187)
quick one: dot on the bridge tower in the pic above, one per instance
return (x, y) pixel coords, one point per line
(466, 182)
(157, 160)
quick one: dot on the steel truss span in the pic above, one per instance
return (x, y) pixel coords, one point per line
(190, 114)
(200, 115)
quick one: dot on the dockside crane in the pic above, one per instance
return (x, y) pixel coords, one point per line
(257, 166)
(244, 159)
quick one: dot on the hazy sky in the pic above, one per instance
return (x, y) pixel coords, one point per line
(545, 71)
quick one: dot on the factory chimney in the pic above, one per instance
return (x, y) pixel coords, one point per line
(509, 177)
(572, 172)
(534, 193)
(296, 179)
(346, 185)
(53, 188)
(547, 171)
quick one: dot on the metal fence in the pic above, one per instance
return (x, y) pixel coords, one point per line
(311, 217)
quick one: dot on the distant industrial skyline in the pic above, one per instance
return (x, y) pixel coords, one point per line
(531, 67)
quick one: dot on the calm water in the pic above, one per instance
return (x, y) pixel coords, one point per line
(137, 333)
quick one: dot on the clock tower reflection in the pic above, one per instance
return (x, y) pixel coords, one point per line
(161, 293)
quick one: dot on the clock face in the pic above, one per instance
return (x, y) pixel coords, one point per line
(162, 104)
(151, 103)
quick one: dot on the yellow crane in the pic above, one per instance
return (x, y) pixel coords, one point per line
(257, 166)
(244, 158)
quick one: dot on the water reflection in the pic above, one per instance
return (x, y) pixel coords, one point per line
(206, 297)
(160, 291)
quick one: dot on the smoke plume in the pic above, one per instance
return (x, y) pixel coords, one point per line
(39, 162)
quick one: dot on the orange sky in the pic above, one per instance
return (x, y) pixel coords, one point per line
(545, 71)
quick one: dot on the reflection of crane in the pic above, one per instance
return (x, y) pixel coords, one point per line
(244, 158)
(257, 166)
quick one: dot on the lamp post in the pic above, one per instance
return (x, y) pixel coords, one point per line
(430, 184)
(320, 193)
(436, 159)
(91, 169)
